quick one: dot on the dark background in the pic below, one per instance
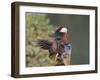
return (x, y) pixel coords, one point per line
(78, 30)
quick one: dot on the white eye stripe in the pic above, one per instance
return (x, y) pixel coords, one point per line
(63, 30)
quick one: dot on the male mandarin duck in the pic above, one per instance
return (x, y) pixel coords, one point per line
(59, 48)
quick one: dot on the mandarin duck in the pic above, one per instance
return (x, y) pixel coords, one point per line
(58, 48)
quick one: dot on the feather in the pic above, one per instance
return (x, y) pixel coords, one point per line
(44, 44)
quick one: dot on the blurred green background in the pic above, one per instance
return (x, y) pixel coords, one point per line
(41, 25)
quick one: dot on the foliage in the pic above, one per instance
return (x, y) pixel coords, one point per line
(37, 26)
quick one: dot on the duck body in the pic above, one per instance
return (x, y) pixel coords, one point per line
(59, 49)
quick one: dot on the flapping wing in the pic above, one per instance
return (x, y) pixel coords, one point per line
(44, 44)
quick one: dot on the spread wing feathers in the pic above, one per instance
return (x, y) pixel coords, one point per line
(44, 44)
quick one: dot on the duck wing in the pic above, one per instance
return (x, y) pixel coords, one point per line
(44, 44)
